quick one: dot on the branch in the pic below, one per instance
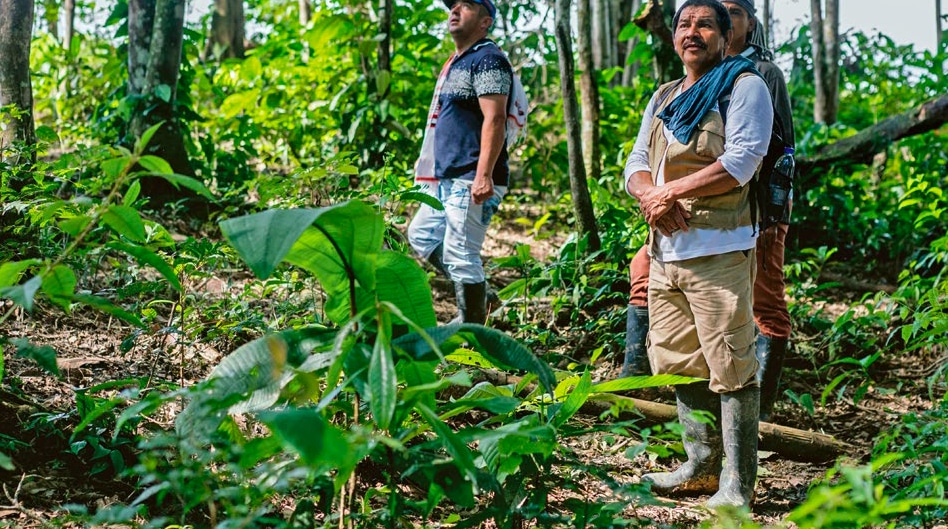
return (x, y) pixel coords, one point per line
(866, 143)
(653, 21)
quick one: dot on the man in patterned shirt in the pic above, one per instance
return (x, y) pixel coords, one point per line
(470, 156)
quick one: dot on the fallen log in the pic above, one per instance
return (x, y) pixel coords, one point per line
(790, 443)
(861, 147)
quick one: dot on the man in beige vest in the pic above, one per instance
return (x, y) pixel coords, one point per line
(691, 175)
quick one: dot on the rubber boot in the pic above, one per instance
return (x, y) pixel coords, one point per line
(636, 355)
(739, 415)
(472, 302)
(770, 355)
(702, 442)
(436, 259)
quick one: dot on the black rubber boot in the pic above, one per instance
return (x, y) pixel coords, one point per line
(770, 355)
(739, 412)
(436, 259)
(636, 355)
(472, 302)
(702, 441)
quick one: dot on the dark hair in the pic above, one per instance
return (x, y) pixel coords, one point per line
(720, 12)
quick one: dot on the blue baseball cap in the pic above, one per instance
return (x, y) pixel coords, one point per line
(489, 4)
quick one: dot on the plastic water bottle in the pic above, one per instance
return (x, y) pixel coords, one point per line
(781, 182)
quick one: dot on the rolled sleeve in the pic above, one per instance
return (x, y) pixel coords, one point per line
(638, 158)
(750, 118)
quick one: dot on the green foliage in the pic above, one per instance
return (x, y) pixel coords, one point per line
(855, 496)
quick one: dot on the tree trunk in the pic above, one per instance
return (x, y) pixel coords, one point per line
(667, 66)
(69, 18)
(590, 94)
(825, 34)
(227, 30)
(306, 12)
(630, 71)
(385, 42)
(798, 445)
(861, 147)
(155, 40)
(767, 19)
(16, 89)
(582, 203)
(940, 35)
(51, 14)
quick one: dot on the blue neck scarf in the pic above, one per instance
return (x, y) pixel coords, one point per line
(682, 115)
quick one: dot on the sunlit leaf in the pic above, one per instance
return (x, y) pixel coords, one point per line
(60, 284)
(146, 257)
(125, 221)
(11, 271)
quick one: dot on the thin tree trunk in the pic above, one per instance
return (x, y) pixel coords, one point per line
(767, 19)
(385, 44)
(69, 18)
(306, 12)
(589, 95)
(582, 203)
(51, 14)
(939, 36)
(156, 37)
(825, 34)
(227, 30)
(630, 70)
(16, 88)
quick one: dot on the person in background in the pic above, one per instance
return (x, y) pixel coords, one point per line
(770, 305)
(469, 173)
(691, 169)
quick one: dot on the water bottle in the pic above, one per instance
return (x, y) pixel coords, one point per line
(781, 182)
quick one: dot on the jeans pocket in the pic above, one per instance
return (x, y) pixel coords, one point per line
(489, 208)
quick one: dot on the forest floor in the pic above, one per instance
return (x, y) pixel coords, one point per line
(39, 409)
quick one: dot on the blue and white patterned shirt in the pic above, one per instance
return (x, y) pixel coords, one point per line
(481, 70)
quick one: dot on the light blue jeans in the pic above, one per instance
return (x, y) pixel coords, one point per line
(461, 227)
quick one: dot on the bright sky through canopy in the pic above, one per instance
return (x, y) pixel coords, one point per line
(904, 21)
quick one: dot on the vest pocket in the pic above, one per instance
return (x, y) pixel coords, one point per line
(710, 140)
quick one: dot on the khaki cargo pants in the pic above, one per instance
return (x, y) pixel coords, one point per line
(701, 320)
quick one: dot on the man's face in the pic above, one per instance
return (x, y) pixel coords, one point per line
(742, 21)
(467, 18)
(698, 39)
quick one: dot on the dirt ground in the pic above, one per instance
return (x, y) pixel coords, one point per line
(89, 352)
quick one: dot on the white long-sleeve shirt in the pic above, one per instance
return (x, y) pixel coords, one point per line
(746, 137)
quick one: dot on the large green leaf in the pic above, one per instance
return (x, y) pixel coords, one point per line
(125, 221)
(319, 444)
(463, 459)
(639, 382)
(251, 378)
(383, 382)
(60, 285)
(146, 257)
(108, 307)
(10, 272)
(345, 238)
(502, 350)
(400, 281)
(264, 239)
(575, 399)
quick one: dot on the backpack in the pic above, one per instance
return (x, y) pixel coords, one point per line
(518, 108)
(517, 112)
(761, 183)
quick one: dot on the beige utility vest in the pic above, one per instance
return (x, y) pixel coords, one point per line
(727, 211)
